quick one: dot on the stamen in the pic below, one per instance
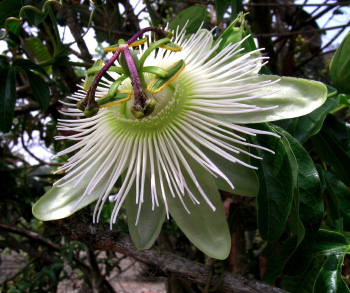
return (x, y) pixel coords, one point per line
(143, 105)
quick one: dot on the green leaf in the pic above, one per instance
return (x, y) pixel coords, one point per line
(9, 8)
(7, 97)
(342, 193)
(332, 145)
(335, 247)
(4, 61)
(338, 196)
(40, 89)
(339, 67)
(324, 273)
(195, 17)
(34, 17)
(302, 128)
(145, 231)
(26, 65)
(305, 282)
(307, 209)
(220, 7)
(293, 97)
(39, 50)
(276, 190)
(205, 228)
(309, 186)
(236, 8)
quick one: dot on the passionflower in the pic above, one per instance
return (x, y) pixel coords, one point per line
(168, 121)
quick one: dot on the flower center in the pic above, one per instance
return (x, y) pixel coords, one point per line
(142, 97)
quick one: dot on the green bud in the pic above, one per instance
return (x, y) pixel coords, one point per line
(91, 112)
(339, 69)
(148, 109)
(80, 106)
(137, 113)
(234, 34)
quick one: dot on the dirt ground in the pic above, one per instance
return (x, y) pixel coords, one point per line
(130, 279)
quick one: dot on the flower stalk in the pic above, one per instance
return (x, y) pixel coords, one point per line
(143, 105)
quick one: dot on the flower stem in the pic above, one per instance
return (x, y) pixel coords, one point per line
(332, 94)
(339, 109)
(89, 101)
(141, 100)
(139, 94)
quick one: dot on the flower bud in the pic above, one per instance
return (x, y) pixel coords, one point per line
(91, 112)
(339, 67)
(80, 106)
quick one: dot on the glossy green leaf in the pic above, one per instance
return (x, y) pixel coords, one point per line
(332, 146)
(306, 211)
(293, 150)
(40, 90)
(339, 67)
(302, 128)
(338, 200)
(324, 272)
(309, 187)
(276, 190)
(343, 196)
(195, 17)
(335, 247)
(205, 228)
(7, 97)
(293, 97)
(145, 231)
(277, 261)
(305, 282)
(9, 8)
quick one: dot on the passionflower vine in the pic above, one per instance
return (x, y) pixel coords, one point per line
(168, 120)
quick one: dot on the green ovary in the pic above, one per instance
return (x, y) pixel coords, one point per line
(169, 106)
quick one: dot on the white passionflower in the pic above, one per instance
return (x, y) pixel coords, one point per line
(173, 159)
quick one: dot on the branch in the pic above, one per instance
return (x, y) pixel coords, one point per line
(98, 236)
(76, 31)
(40, 239)
(300, 32)
(321, 49)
